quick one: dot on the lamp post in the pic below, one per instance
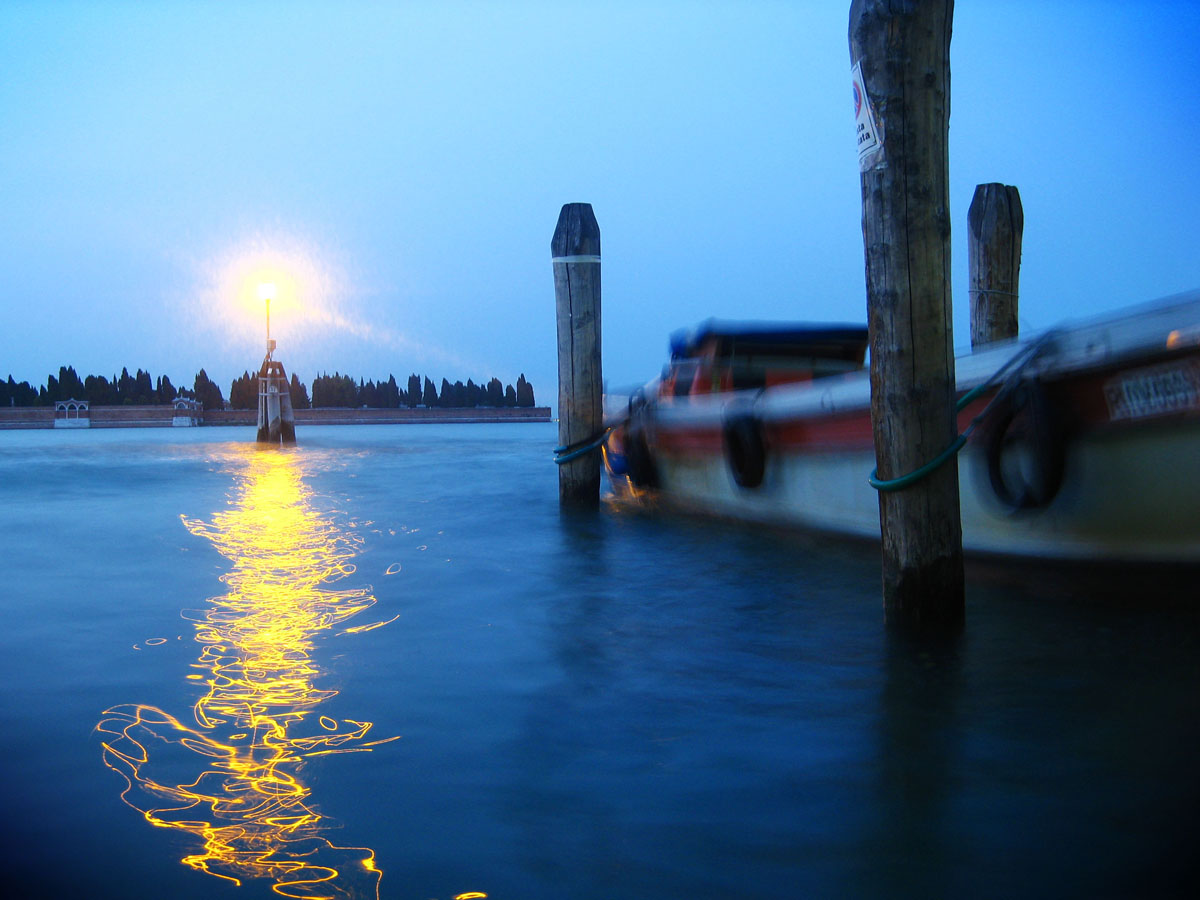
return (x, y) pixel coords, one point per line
(276, 423)
(266, 292)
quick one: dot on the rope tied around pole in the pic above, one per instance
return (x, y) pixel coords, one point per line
(1017, 364)
(581, 448)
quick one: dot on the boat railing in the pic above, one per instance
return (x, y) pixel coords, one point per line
(1164, 327)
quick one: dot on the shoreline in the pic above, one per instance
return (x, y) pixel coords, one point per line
(13, 418)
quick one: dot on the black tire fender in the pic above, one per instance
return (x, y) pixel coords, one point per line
(745, 449)
(639, 461)
(1028, 416)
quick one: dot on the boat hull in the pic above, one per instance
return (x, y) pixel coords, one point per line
(1123, 464)
(1122, 499)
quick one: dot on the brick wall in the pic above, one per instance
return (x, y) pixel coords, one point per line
(26, 417)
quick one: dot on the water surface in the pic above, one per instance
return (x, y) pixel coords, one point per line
(383, 663)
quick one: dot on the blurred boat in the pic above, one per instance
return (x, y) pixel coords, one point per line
(1079, 444)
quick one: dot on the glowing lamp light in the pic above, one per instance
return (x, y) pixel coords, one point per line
(266, 293)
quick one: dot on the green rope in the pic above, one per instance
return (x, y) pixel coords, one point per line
(899, 484)
(965, 400)
(1017, 365)
(573, 451)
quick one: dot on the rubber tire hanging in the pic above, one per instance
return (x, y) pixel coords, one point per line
(1027, 416)
(745, 449)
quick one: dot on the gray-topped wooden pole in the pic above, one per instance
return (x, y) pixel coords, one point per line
(995, 224)
(900, 61)
(575, 252)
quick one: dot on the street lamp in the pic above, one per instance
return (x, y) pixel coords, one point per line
(276, 422)
(266, 292)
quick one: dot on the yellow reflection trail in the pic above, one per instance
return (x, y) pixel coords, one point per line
(257, 722)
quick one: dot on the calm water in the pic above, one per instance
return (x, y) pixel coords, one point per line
(386, 652)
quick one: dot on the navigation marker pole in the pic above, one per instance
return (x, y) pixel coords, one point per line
(276, 422)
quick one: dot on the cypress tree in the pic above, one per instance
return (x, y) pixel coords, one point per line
(524, 392)
(298, 393)
(243, 393)
(207, 392)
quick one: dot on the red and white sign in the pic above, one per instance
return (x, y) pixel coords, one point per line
(865, 127)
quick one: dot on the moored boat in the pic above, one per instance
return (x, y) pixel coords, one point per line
(1078, 444)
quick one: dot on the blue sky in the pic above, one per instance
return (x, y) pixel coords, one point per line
(399, 168)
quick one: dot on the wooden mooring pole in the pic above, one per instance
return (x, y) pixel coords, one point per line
(995, 223)
(575, 253)
(900, 58)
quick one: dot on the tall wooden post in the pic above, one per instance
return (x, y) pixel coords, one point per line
(995, 223)
(900, 57)
(575, 252)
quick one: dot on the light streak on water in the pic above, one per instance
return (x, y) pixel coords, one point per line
(242, 795)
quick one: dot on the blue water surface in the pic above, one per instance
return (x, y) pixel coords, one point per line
(597, 706)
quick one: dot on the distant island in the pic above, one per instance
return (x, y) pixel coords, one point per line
(335, 391)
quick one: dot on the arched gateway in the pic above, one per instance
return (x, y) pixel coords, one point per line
(72, 414)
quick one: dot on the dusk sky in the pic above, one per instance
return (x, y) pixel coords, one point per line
(398, 169)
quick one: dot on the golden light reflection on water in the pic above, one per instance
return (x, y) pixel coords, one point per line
(233, 778)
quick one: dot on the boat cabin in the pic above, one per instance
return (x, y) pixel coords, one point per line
(736, 356)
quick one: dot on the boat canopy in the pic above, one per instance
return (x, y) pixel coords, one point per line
(721, 339)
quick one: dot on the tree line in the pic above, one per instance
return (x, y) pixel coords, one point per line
(120, 390)
(338, 390)
(335, 390)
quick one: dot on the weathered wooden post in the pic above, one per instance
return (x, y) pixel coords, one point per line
(900, 58)
(995, 223)
(575, 253)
